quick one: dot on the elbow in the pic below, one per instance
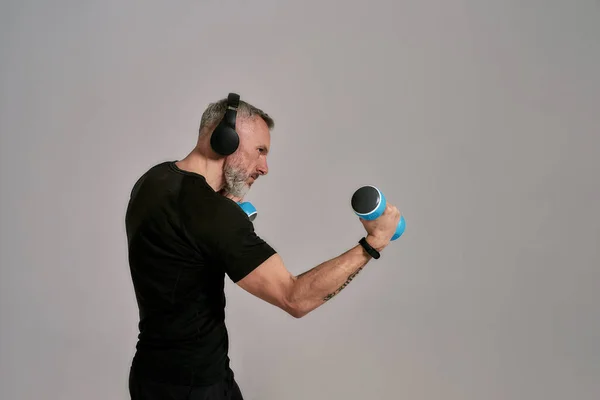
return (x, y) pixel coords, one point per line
(295, 307)
(297, 311)
(295, 304)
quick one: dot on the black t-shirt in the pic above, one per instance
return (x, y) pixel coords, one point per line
(183, 239)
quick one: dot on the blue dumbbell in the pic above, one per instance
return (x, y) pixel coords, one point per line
(249, 209)
(369, 203)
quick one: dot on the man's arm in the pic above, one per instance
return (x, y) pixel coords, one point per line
(299, 295)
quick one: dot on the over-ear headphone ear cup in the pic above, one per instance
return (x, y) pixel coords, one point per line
(224, 140)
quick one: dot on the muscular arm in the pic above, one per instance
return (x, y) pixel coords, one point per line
(299, 295)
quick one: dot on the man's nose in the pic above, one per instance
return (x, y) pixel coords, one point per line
(263, 168)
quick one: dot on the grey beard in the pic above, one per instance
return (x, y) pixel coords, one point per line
(235, 182)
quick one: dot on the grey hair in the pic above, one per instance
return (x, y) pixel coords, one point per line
(215, 112)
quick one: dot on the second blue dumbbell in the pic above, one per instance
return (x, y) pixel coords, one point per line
(369, 203)
(249, 209)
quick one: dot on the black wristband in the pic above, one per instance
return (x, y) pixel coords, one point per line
(372, 252)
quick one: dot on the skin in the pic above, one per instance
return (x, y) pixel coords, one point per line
(272, 282)
(249, 160)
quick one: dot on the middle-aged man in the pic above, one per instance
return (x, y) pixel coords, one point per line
(186, 231)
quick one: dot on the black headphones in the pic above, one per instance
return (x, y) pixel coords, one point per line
(224, 139)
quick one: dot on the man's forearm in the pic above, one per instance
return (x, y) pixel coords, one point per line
(316, 286)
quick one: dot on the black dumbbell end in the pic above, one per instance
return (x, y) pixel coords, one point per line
(365, 200)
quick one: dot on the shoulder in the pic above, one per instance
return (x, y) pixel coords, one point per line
(150, 175)
(204, 210)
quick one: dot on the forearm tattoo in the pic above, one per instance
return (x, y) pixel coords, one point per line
(352, 275)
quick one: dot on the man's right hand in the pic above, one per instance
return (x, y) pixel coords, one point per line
(381, 230)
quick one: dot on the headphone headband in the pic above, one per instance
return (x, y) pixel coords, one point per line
(233, 100)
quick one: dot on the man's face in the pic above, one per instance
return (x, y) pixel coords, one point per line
(242, 168)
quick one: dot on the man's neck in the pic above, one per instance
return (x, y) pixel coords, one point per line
(210, 169)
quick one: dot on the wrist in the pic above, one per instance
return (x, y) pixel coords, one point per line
(376, 243)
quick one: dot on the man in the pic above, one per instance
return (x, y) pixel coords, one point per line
(186, 232)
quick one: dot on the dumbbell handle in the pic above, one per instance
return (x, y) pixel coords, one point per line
(368, 202)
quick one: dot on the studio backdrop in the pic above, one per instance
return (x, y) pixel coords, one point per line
(479, 120)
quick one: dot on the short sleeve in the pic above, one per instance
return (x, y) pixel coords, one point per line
(227, 235)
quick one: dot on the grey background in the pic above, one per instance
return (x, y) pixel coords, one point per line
(478, 119)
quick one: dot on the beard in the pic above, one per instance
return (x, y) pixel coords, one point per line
(236, 178)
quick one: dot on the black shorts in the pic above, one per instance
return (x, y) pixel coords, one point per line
(141, 388)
